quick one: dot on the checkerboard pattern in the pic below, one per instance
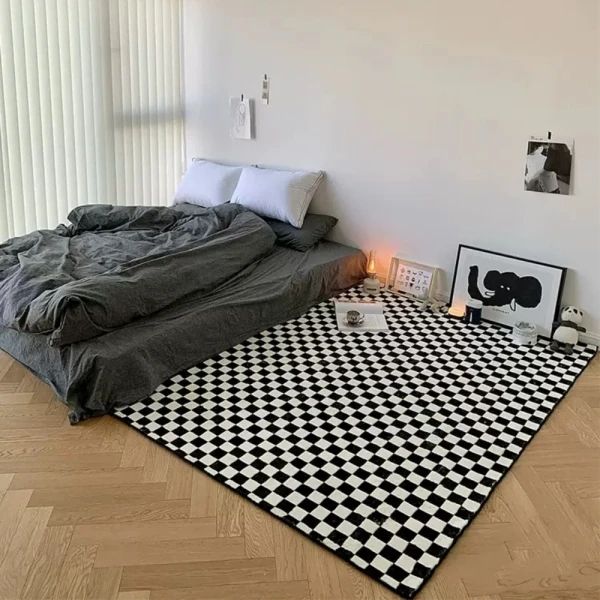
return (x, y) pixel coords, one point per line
(380, 446)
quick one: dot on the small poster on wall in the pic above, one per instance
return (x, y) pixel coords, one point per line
(240, 117)
(548, 166)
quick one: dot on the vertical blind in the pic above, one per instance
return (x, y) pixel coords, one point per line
(91, 107)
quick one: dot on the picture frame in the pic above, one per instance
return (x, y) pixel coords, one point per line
(512, 289)
(413, 279)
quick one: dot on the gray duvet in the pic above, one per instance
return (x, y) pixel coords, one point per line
(107, 308)
(113, 265)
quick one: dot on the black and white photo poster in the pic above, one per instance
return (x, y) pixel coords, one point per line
(511, 289)
(548, 166)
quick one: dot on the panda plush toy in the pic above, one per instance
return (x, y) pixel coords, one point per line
(566, 332)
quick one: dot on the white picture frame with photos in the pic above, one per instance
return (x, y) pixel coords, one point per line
(411, 278)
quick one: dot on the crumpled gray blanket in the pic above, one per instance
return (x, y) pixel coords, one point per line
(113, 265)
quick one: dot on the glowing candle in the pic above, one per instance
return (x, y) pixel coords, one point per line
(371, 285)
(456, 312)
(371, 268)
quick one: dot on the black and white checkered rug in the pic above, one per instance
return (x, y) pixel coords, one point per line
(380, 446)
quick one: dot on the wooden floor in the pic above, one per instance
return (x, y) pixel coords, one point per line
(98, 511)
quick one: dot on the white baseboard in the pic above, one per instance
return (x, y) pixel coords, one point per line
(589, 337)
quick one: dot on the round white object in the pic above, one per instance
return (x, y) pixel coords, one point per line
(524, 334)
(371, 286)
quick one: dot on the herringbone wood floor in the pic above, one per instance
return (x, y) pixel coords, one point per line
(98, 511)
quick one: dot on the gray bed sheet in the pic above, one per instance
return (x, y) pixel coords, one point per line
(126, 365)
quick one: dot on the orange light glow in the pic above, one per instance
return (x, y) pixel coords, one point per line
(371, 268)
(458, 312)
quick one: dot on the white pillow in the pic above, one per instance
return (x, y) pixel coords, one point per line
(281, 195)
(207, 184)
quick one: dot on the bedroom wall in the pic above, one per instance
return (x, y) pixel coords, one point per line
(419, 111)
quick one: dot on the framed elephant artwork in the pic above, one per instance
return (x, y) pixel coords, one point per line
(511, 289)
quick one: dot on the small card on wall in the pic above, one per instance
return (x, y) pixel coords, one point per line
(266, 84)
(240, 118)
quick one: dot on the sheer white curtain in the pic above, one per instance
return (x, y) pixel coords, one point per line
(91, 107)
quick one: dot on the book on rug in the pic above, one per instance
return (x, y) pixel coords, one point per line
(371, 316)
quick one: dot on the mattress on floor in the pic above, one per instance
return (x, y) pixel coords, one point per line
(126, 365)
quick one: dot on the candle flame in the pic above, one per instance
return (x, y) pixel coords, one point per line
(371, 268)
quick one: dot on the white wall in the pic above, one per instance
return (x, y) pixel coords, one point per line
(419, 111)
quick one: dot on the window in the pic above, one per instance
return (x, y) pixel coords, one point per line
(91, 107)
